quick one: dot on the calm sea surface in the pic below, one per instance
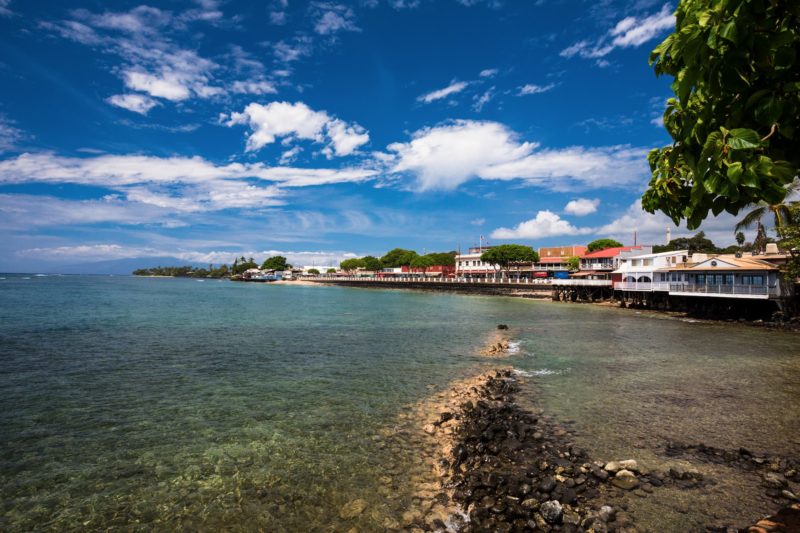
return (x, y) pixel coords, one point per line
(176, 404)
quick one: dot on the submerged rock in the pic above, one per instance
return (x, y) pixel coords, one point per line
(352, 509)
(625, 479)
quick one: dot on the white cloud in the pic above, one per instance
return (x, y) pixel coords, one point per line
(531, 88)
(445, 156)
(287, 52)
(136, 103)
(292, 121)
(333, 18)
(582, 206)
(108, 251)
(545, 224)
(253, 87)
(10, 135)
(278, 18)
(4, 11)
(151, 61)
(488, 73)
(481, 100)
(478, 221)
(453, 88)
(628, 32)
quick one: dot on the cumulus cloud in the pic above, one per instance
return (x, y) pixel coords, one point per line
(545, 224)
(628, 32)
(531, 88)
(488, 73)
(445, 156)
(333, 18)
(582, 206)
(453, 88)
(291, 121)
(136, 103)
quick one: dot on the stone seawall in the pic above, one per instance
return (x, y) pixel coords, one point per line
(492, 289)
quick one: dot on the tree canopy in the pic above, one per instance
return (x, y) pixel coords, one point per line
(506, 255)
(277, 262)
(398, 258)
(371, 263)
(242, 264)
(697, 243)
(351, 264)
(735, 116)
(602, 244)
(313, 271)
(423, 262)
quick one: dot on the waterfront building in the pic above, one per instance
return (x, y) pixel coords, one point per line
(648, 272)
(600, 265)
(469, 265)
(435, 271)
(556, 259)
(730, 276)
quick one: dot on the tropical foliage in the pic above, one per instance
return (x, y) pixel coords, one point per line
(506, 255)
(277, 262)
(736, 109)
(185, 272)
(602, 244)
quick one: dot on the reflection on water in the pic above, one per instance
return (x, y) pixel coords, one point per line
(174, 404)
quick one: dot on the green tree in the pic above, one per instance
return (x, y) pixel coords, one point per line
(398, 258)
(371, 263)
(697, 243)
(506, 255)
(443, 258)
(574, 263)
(602, 244)
(313, 271)
(740, 238)
(789, 235)
(422, 262)
(242, 265)
(350, 265)
(277, 262)
(331, 271)
(735, 118)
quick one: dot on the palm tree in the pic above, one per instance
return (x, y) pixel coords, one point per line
(781, 212)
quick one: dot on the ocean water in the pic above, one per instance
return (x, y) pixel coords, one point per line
(173, 404)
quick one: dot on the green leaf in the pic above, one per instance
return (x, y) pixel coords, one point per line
(750, 179)
(769, 110)
(728, 32)
(744, 139)
(735, 172)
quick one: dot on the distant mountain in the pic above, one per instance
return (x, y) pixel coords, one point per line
(121, 267)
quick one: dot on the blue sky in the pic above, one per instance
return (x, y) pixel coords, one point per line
(209, 129)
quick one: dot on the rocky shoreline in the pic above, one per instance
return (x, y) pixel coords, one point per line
(497, 466)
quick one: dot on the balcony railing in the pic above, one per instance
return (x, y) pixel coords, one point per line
(582, 282)
(642, 286)
(724, 290)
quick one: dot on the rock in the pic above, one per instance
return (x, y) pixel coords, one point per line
(790, 495)
(547, 485)
(629, 464)
(552, 512)
(430, 429)
(530, 503)
(606, 513)
(613, 467)
(625, 479)
(502, 326)
(774, 481)
(353, 509)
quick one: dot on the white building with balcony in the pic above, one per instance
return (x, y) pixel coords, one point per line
(729, 276)
(469, 265)
(648, 272)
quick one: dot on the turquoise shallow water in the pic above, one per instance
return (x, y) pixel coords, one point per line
(176, 404)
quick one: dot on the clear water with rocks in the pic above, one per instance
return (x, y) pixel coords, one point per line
(170, 404)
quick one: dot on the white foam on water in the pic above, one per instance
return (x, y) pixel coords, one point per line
(532, 373)
(513, 347)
